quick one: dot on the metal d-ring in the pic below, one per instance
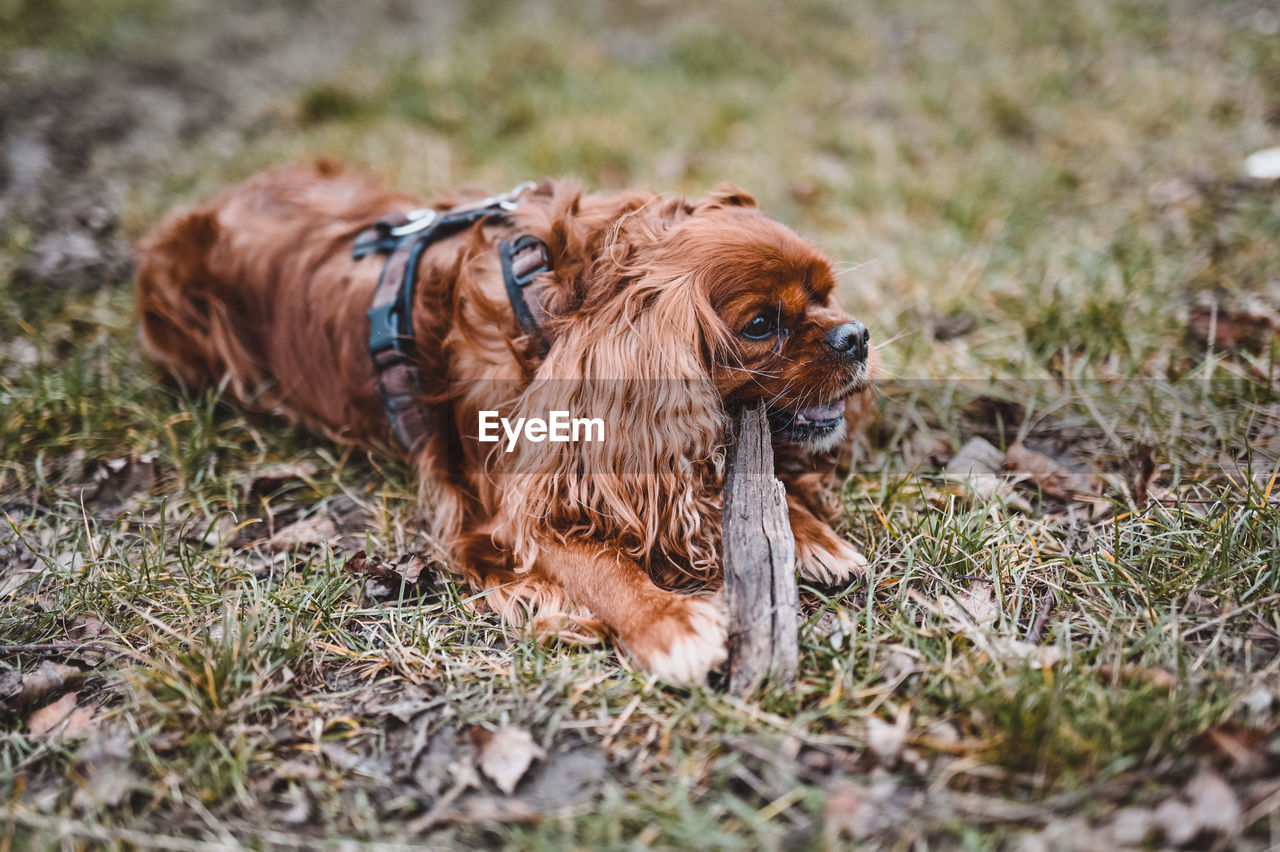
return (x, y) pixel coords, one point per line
(418, 220)
(507, 201)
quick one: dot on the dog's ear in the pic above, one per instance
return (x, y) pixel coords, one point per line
(592, 238)
(668, 209)
(639, 364)
(726, 194)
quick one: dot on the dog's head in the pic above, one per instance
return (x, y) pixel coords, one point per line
(668, 314)
(784, 339)
(717, 290)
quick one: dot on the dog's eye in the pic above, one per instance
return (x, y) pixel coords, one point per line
(763, 326)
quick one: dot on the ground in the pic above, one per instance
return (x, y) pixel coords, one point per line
(1069, 641)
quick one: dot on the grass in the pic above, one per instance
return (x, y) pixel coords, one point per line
(1059, 183)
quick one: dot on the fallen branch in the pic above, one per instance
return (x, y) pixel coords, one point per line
(51, 648)
(762, 602)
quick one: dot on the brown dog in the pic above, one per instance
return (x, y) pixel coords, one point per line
(650, 314)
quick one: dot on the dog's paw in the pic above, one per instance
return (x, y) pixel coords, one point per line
(829, 561)
(683, 643)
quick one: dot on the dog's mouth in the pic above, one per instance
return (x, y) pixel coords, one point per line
(816, 427)
(810, 425)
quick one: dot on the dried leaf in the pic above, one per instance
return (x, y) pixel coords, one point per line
(1198, 604)
(269, 478)
(307, 532)
(900, 661)
(384, 578)
(52, 715)
(969, 607)
(849, 812)
(978, 455)
(1205, 805)
(349, 761)
(1154, 676)
(104, 763)
(16, 354)
(404, 704)
(1214, 803)
(80, 720)
(47, 678)
(1226, 321)
(1050, 475)
(975, 614)
(992, 409)
(859, 811)
(1131, 826)
(1258, 704)
(473, 809)
(504, 755)
(1037, 656)
(977, 469)
(18, 581)
(86, 627)
(441, 751)
(463, 777)
(887, 738)
(954, 325)
(10, 685)
(1241, 751)
(941, 736)
(296, 770)
(298, 806)
(926, 448)
(1177, 822)
(118, 480)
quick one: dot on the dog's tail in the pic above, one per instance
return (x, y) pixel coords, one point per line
(185, 310)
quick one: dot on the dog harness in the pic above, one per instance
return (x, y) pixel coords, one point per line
(403, 237)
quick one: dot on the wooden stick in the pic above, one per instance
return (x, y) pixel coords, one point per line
(51, 648)
(762, 602)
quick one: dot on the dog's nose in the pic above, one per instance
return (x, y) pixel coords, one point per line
(849, 339)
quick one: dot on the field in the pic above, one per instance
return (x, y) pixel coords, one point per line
(1071, 641)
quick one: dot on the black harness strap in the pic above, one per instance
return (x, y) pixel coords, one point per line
(404, 237)
(523, 260)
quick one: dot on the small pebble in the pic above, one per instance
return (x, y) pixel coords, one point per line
(1263, 165)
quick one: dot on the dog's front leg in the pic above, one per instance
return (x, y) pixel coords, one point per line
(676, 637)
(822, 555)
